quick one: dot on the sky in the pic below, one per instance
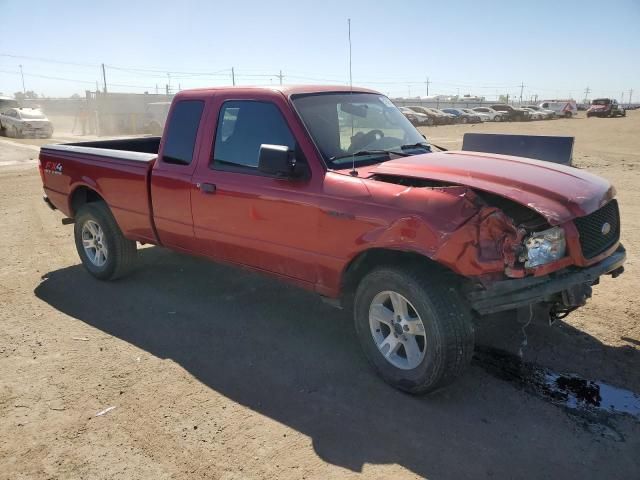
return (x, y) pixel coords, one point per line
(555, 48)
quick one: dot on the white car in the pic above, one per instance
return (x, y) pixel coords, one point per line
(483, 116)
(548, 114)
(25, 122)
(535, 115)
(494, 115)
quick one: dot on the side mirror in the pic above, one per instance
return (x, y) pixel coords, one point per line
(278, 161)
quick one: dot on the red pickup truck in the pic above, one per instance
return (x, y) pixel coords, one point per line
(334, 190)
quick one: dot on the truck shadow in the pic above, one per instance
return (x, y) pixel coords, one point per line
(286, 355)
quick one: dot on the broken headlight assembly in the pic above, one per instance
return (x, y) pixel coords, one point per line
(544, 247)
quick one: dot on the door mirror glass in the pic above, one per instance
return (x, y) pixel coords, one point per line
(276, 160)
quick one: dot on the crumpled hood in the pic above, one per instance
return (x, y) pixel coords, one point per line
(557, 192)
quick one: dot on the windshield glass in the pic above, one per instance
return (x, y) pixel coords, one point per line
(343, 124)
(601, 101)
(31, 115)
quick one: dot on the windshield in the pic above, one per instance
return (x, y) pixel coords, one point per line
(33, 115)
(601, 101)
(364, 124)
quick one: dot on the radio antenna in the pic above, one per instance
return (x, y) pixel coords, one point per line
(353, 172)
(350, 75)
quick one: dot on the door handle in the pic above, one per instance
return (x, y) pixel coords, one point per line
(206, 187)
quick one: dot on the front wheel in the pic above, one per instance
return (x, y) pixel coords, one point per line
(416, 332)
(103, 249)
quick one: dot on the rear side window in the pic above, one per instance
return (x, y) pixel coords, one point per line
(244, 125)
(183, 129)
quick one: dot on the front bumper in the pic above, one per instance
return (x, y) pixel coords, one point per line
(513, 294)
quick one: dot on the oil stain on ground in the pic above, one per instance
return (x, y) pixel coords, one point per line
(592, 400)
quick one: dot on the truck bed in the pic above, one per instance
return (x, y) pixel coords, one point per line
(118, 170)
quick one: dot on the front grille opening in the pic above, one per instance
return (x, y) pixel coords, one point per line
(599, 230)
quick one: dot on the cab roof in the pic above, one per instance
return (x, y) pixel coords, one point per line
(286, 90)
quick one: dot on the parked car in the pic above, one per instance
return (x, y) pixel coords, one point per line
(266, 179)
(605, 107)
(483, 117)
(437, 118)
(563, 108)
(512, 114)
(25, 122)
(535, 115)
(548, 114)
(416, 118)
(463, 117)
(493, 115)
(450, 119)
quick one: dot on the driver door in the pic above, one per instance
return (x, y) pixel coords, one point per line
(244, 216)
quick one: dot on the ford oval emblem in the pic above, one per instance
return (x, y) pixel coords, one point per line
(606, 228)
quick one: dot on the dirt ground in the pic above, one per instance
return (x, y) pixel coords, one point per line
(219, 373)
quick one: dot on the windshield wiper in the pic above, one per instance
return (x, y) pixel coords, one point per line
(362, 153)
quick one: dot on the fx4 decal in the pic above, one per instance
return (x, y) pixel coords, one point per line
(53, 168)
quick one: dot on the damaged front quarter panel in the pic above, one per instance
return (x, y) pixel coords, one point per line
(488, 242)
(455, 226)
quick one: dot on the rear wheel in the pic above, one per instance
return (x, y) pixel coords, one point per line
(103, 249)
(416, 332)
(567, 114)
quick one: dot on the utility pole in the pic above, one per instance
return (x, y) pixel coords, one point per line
(427, 82)
(521, 90)
(168, 83)
(156, 88)
(622, 98)
(22, 75)
(104, 79)
(630, 93)
(587, 91)
(166, 89)
(233, 77)
(280, 77)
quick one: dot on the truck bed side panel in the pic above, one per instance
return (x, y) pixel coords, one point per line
(121, 178)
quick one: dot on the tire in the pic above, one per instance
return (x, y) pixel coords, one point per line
(446, 345)
(463, 120)
(567, 114)
(120, 253)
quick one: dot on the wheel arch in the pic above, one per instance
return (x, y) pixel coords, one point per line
(82, 195)
(367, 260)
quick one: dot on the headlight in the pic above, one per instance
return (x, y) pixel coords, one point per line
(544, 247)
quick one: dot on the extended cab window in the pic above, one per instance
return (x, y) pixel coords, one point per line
(183, 128)
(244, 125)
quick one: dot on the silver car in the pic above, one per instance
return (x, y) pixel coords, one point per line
(25, 122)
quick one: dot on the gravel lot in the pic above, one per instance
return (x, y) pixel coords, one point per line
(219, 373)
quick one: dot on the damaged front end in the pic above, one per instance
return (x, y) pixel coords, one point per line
(513, 259)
